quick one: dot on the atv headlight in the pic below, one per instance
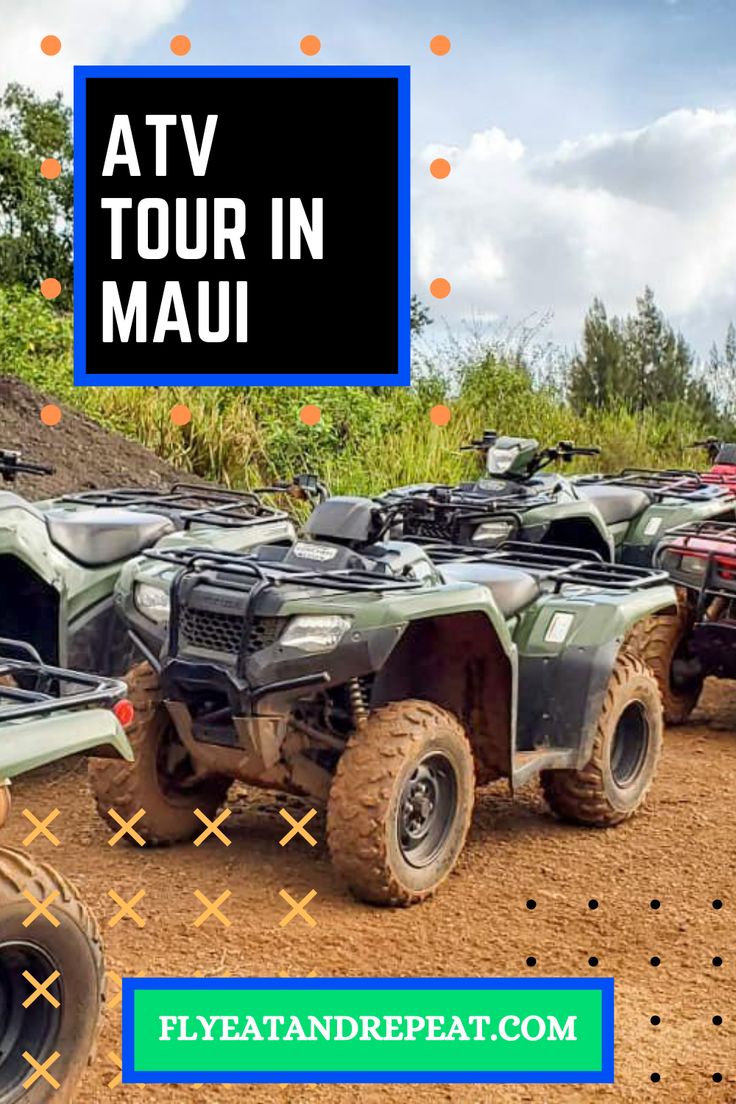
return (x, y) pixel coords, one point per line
(492, 532)
(315, 634)
(152, 602)
(499, 460)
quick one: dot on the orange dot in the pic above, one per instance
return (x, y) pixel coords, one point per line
(440, 168)
(181, 415)
(440, 415)
(180, 45)
(310, 414)
(440, 288)
(50, 45)
(50, 414)
(50, 288)
(310, 45)
(440, 45)
(50, 168)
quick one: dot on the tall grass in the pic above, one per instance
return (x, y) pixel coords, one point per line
(368, 438)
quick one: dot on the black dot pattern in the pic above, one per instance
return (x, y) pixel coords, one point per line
(654, 960)
(655, 1020)
(592, 903)
(531, 961)
(654, 1077)
(655, 904)
(531, 904)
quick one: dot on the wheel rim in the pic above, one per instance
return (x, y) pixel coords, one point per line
(427, 809)
(33, 1029)
(630, 744)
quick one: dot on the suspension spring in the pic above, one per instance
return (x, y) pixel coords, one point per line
(358, 702)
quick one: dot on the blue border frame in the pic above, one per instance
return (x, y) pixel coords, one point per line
(259, 1077)
(82, 378)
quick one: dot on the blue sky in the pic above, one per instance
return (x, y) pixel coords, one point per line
(593, 144)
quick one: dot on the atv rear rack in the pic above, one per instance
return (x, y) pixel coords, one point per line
(190, 503)
(668, 483)
(713, 542)
(31, 688)
(551, 563)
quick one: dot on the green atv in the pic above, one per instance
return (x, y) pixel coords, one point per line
(60, 558)
(388, 679)
(620, 517)
(46, 714)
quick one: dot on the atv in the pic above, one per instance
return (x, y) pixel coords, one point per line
(60, 558)
(388, 679)
(619, 517)
(700, 558)
(46, 714)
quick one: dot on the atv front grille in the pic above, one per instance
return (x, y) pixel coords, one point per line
(213, 631)
(433, 530)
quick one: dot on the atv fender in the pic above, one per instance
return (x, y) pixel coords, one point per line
(567, 650)
(27, 744)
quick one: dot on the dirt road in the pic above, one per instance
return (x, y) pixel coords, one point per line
(680, 851)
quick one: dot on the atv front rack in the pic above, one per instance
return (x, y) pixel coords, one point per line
(189, 503)
(31, 688)
(691, 486)
(712, 543)
(241, 570)
(443, 512)
(557, 565)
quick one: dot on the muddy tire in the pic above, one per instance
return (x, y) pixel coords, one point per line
(626, 749)
(74, 948)
(659, 641)
(150, 782)
(401, 802)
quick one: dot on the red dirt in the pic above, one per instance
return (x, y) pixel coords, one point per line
(680, 850)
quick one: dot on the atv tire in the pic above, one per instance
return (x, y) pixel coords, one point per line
(625, 753)
(401, 802)
(146, 783)
(658, 640)
(74, 948)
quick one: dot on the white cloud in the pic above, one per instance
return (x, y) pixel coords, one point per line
(600, 216)
(91, 32)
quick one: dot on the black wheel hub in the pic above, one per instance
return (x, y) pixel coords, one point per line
(630, 745)
(427, 808)
(33, 1029)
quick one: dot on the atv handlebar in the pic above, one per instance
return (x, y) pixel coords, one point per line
(564, 451)
(11, 464)
(305, 487)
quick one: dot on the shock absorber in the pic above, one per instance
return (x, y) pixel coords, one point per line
(358, 703)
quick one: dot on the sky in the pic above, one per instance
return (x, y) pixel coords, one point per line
(593, 144)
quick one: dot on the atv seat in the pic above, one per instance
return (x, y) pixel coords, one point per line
(615, 503)
(100, 536)
(511, 588)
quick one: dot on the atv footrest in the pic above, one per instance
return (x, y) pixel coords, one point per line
(714, 645)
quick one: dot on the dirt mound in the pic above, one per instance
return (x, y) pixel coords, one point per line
(84, 455)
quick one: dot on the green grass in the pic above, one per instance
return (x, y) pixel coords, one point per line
(368, 438)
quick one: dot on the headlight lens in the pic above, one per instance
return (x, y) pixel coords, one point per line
(152, 602)
(492, 532)
(315, 634)
(500, 460)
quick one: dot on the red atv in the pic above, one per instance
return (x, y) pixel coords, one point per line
(700, 558)
(722, 456)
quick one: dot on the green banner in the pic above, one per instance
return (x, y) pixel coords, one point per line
(445, 1030)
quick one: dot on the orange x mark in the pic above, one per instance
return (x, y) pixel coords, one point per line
(40, 908)
(212, 908)
(126, 827)
(41, 1070)
(127, 908)
(116, 1061)
(298, 827)
(41, 827)
(213, 827)
(298, 909)
(117, 980)
(41, 989)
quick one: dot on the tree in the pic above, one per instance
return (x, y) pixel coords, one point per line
(419, 315)
(595, 377)
(639, 361)
(35, 213)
